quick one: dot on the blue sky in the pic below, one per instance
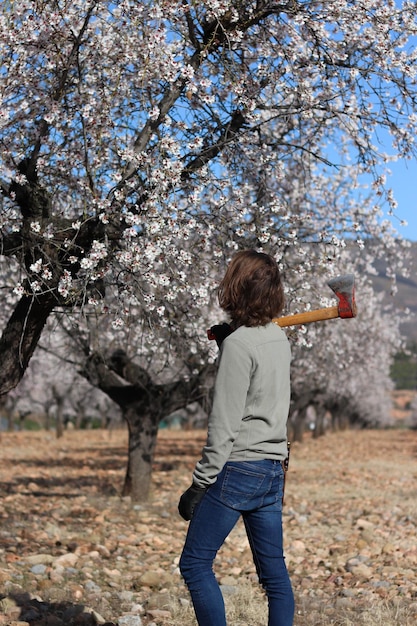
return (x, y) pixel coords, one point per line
(404, 185)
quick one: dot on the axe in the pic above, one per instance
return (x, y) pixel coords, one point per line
(344, 288)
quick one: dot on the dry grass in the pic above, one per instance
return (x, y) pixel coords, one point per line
(245, 607)
(248, 607)
(374, 615)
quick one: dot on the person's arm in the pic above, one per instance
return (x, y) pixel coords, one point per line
(230, 392)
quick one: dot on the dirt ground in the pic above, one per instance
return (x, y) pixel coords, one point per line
(72, 551)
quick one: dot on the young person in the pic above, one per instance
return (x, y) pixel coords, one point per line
(241, 469)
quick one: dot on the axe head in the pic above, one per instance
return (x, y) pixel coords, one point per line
(344, 288)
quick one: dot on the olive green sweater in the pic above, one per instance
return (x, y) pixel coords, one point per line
(248, 420)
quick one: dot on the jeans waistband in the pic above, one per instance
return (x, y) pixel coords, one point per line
(260, 462)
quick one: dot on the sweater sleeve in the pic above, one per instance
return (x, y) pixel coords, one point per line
(229, 401)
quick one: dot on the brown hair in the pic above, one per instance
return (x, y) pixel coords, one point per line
(251, 291)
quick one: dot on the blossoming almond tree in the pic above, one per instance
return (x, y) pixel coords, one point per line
(346, 374)
(141, 142)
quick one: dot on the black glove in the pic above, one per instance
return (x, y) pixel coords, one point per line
(219, 332)
(189, 501)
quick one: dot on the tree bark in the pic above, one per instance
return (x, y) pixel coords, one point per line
(20, 338)
(320, 427)
(143, 433)
(297, 425)
(59, 420)
(143, 404)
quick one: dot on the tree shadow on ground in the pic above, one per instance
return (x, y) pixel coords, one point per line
(95, 478)
(64, 487)
(110, 458)
(22, 607)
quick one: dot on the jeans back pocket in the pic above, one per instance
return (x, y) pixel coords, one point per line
(243, 488)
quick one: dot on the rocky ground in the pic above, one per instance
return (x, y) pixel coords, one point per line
(73, 552)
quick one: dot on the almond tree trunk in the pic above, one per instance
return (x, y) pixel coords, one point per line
(143, 404)
(143, 432)
(20, 338)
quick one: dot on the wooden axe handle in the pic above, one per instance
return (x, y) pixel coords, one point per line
(308, 316)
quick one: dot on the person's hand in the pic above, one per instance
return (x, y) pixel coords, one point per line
(219, 332)
(189, 501)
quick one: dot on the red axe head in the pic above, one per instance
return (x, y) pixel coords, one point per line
(344, 288)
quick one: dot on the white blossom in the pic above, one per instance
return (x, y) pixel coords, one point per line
(36, 267)
(19, 290)
(36, 227)
(158, 156)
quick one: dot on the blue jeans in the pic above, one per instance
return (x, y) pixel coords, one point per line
(252, 489)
